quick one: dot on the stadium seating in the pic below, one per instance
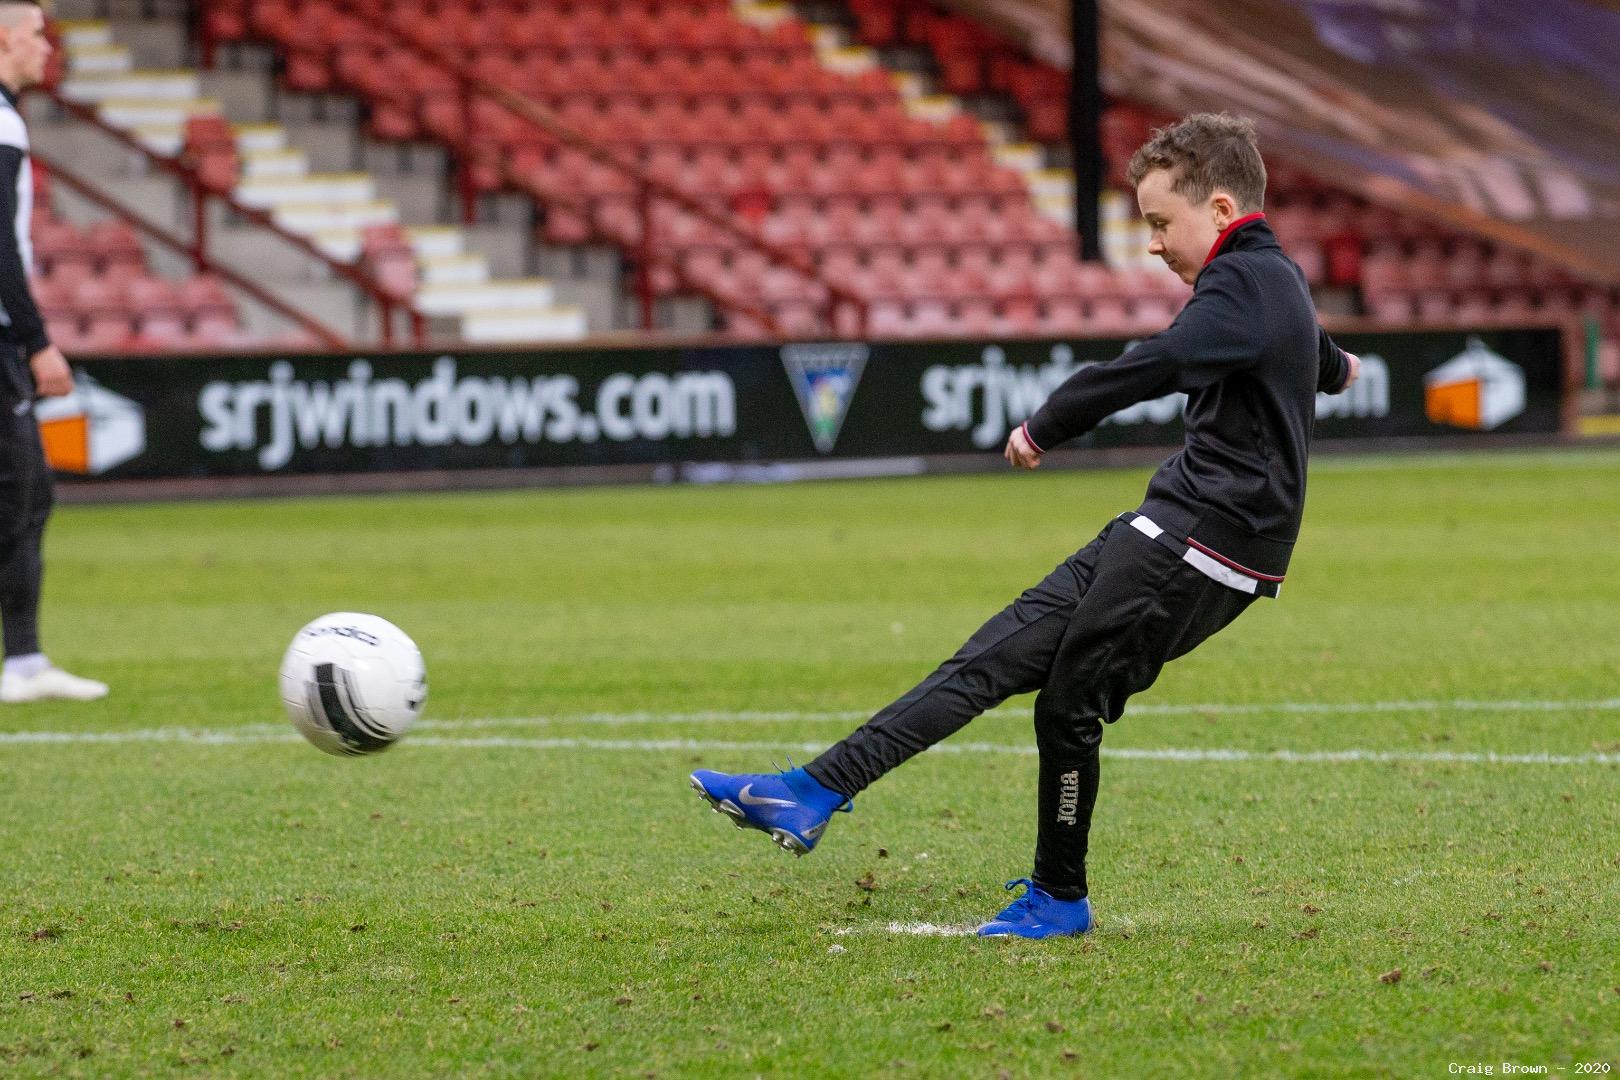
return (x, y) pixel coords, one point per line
(1401, 269)
(96, 292)
(898, 194)
(255, 165)
(895, 192)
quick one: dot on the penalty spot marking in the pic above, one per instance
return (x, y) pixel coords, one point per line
(913, 929)
(1115, 925)
(929, 930)
(923, 929)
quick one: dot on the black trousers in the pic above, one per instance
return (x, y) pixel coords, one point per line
(26, 497)
(1098, 629)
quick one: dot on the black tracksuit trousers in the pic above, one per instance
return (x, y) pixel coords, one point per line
(1097, 630)
(26, 497)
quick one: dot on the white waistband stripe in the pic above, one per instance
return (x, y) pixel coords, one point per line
(1204, 564)
(1143, 525)
(1219, 572)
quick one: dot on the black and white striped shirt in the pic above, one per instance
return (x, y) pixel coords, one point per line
(20, 323)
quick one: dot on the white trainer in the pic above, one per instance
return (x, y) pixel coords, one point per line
(49, 684)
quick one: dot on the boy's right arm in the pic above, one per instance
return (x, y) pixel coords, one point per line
(1215, 335)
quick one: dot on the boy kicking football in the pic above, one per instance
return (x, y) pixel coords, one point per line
(1215, 531)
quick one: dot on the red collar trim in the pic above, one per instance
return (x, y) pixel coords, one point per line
(1220, 240)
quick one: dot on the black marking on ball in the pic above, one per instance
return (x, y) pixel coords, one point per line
(355, 736)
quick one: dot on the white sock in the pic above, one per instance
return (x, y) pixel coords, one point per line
(26, 666)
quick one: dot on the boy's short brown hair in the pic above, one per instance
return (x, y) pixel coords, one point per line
(1206, 152)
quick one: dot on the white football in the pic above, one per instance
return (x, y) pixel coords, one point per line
(352, 683)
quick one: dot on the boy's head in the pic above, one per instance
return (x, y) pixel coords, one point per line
(1192, 180)
(24, 49)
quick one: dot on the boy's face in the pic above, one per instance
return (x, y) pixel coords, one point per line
(1183, 232)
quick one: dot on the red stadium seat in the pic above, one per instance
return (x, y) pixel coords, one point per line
(1465, 267)
(387, 255)
(156, 331)
(1394, 308)
(877, 21)
(978, 317)
(98, 296)
(1311, 259)
(214, 331)
(565, 225)
(886, 318)
(1064, 315)
(1435, 307)
(930, 318)
(60, 243)
(203, 295)
(1110, 316)
(1020, 315)
(104, 336)
(210, 151)
(798, 319)
(1475, 306)
(154, 297)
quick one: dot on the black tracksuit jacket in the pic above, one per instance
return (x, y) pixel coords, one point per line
(1249, 354)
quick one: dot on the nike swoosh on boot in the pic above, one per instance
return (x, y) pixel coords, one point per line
(746, 796)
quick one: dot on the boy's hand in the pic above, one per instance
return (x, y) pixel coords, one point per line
(1020, 452)
(1355, 370)
(52, 376)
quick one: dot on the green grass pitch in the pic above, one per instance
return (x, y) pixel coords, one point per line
(526, 887)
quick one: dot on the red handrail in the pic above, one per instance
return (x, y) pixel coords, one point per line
(470, 84)
(201, 193)
(90, 192)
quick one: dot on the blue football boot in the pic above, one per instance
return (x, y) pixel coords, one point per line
(1037, 914)
(790, 806)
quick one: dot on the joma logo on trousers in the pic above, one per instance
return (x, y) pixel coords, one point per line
(1068, 797)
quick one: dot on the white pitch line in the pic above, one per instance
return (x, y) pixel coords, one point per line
(264, 734)
(253, 733)
(1310, 757)
(1296, 757)
(1354, 707)
(627, 718)
(1322, 708)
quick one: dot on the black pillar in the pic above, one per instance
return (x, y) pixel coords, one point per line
(1085, 124)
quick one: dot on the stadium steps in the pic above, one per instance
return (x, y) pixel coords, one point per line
(277, 266)
(100, 290)
(330, 209)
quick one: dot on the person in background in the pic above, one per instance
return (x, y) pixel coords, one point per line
(32, 368)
